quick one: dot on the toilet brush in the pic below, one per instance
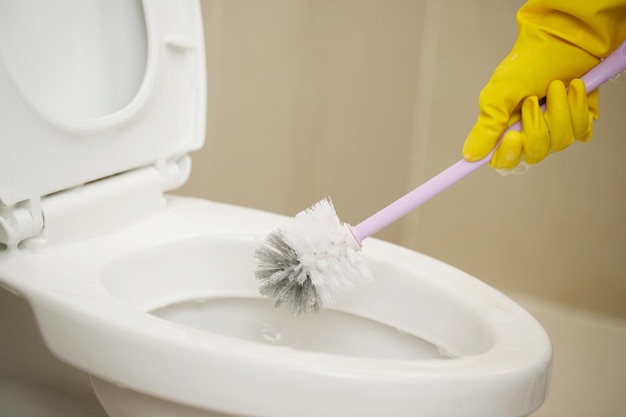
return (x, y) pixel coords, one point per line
(312, 261)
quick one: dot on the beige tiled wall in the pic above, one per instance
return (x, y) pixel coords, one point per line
(362, 100)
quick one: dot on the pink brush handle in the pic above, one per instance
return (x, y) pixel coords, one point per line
(604, 71)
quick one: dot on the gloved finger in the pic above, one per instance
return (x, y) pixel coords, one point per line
(499, 101)
(592, 99)
(590, 132)
(509, 152)
(558, 116)
(486, 132)
(535, 133)
(579, 109)
(584, 109)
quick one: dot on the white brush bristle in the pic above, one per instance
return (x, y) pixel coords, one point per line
(310, 262)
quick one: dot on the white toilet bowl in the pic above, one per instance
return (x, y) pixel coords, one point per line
(166, 312)
(154, 297)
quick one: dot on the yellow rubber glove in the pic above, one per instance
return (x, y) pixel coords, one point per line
(568, 116)
(557, 40)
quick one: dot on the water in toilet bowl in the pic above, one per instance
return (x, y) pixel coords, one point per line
(332, 332)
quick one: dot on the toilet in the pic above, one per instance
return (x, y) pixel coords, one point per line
(152, 298)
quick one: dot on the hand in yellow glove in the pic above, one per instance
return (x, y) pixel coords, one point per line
(568, 116)
(557, 40)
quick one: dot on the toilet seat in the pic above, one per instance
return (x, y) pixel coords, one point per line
(51, 150)
(92, 292)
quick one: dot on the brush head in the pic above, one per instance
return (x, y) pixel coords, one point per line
(310, 262)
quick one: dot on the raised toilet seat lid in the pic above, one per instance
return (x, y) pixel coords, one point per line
(96, 88)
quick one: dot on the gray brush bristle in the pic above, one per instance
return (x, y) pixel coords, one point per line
(283, 277)
(310, 262)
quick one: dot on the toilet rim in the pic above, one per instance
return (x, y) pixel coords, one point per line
(100, 320)
(207, 359)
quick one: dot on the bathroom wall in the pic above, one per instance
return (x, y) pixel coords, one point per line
(362, 100)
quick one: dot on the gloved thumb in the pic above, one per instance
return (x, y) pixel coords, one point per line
(494, 117)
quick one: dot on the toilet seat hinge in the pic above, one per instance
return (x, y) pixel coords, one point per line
(21, 221)
(91, 208)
